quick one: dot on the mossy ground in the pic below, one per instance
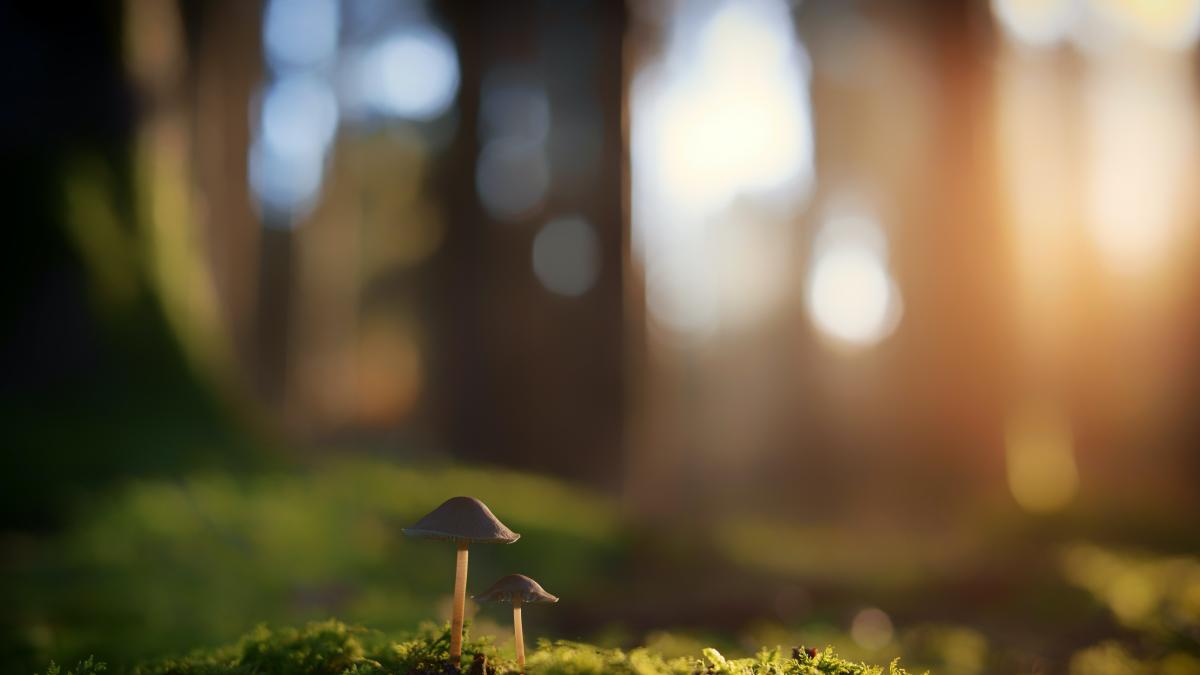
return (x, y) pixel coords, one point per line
(161, 566)
(334, 648)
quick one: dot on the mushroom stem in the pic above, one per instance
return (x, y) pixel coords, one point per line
(460, 601)
(518, 633)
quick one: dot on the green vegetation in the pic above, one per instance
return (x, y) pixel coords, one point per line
(1157, 598)
(333, 648)
(88, 666)
(162, 566)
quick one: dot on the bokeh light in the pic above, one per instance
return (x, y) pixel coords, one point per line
(1042, 475)
(721, 122)
(872, 629)
(851, 296)
(735, 119)
(1132, 596)
(512, 177)
(1037, 22)
(1165, 24)
(680, 293)
(1140, 125)
(297, 124)
(299, 116)
(859, 344)
(1140, 590)
(513, 104)
(411, 74)
(287, 185)
(1101, 25)
(300, 33)
(566, 256)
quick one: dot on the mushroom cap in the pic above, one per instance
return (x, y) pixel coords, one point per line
(463, 519)
(513, 587)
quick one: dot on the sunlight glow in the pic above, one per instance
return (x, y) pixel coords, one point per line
(734, 121)
(1037, 22)
(1141, 134)
(1041, 459)
(680, 293)
(1114, 153)
(1166, 24)
(851, 297)
(1101, 25)
(720, 127)
(1035, 109)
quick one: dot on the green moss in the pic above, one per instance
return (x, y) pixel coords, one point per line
(333, 648)
(88, 666)
(567, 658)
(282, 548)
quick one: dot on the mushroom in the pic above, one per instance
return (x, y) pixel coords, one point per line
(520, 590)
(464, 521)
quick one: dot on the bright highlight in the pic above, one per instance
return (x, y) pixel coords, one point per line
(721, 123)
(412, 74)
(851, 297)
(1036, 22)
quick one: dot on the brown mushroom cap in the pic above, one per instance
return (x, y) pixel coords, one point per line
(463, 519)
(516, 586)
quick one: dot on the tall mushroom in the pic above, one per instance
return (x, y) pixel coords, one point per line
(519, 590)
(464, 521)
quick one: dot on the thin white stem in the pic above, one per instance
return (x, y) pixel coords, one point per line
(460, 603)
(519, 633)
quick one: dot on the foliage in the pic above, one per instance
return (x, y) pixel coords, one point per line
(1111, 658)
(326, 647)
(162, 566)
(1156, 596)
(1159, 595)
(88, 666)
(569, 658)
(333, 648)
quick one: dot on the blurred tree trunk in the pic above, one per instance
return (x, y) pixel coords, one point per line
(106, 335)
(526, 377)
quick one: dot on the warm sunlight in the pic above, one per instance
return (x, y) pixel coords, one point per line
(851, 296)
(723, 116)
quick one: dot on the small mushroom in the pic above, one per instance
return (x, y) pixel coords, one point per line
(464, 521)
(519, 590)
